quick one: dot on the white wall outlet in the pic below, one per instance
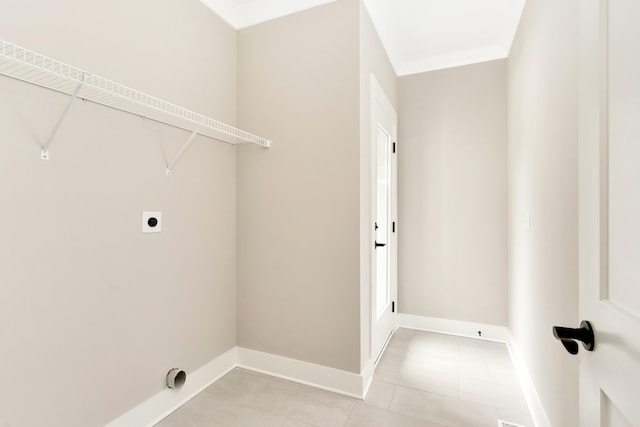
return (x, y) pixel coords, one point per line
(151, 222)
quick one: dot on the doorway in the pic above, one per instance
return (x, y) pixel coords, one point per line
(383, 139)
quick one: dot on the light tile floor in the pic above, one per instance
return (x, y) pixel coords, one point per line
(422, 380)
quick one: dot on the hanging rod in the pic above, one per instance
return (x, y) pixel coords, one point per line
(26, 65)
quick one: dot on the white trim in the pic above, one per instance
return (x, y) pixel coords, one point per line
(153, 410)
(367, 377)
(150, 412)
(322, 377)
(536, 408)
(386, 343)
(376, 92)
(378, 97)
(164, 403)
(454, 327)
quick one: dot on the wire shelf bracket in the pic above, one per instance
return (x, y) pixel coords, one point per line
(28, 66)
(182, 150)
(44, 154)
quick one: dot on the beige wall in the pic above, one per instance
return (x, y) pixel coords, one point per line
(93, 313)
(453, 193)
(543, 182)
(298, 204)
(373, 60)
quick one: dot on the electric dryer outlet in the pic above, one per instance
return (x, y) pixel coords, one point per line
(151, 222)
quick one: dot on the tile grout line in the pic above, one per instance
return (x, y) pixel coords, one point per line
(395, 387)
(491, 376)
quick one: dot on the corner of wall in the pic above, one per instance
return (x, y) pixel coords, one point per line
(543, 208)
(373, 60)
(538, 413)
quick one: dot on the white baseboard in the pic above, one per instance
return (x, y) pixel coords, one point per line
(351, 384)
(454, 327)
(164, 403)
(536, 408)
(367, 378)
(323, 377)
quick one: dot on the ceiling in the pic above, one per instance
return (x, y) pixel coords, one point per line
(245, 13)
(418, 35)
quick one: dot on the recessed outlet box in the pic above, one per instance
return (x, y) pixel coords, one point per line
(151, 222)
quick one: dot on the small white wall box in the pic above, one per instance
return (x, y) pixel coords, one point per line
(151, 222)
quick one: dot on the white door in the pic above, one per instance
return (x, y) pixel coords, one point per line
(383, 225)
(610, 211)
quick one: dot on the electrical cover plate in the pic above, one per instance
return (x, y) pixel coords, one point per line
(151, 222)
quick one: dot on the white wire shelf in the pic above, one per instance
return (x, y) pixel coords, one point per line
(32, 67)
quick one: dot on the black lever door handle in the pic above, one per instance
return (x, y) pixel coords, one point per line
(568, 337)
(380, 245)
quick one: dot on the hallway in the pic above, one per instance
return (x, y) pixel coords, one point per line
(423, 379)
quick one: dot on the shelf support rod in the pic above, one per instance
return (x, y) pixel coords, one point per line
(182, 150)
(44, 154)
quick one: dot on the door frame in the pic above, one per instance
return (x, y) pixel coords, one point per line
(377, 96)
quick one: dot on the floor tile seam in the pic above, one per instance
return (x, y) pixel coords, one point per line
(383, 381)
(440, 422)
(273, 415)
(418, 389)
(346, 421)
(505, 408)
(448, 397)
(276, 381)
(266, 411)
(502, 390)
(459, 389)
(426, 362)
(293, 418)
(269, 410)
(506, 377)
(429, 420)
(414, 388)
(393, 395)
(224, 395)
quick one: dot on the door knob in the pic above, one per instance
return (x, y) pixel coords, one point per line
(380, 245)
(568, 337)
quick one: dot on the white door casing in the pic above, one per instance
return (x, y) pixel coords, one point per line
(383, 136)
(609, 223)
